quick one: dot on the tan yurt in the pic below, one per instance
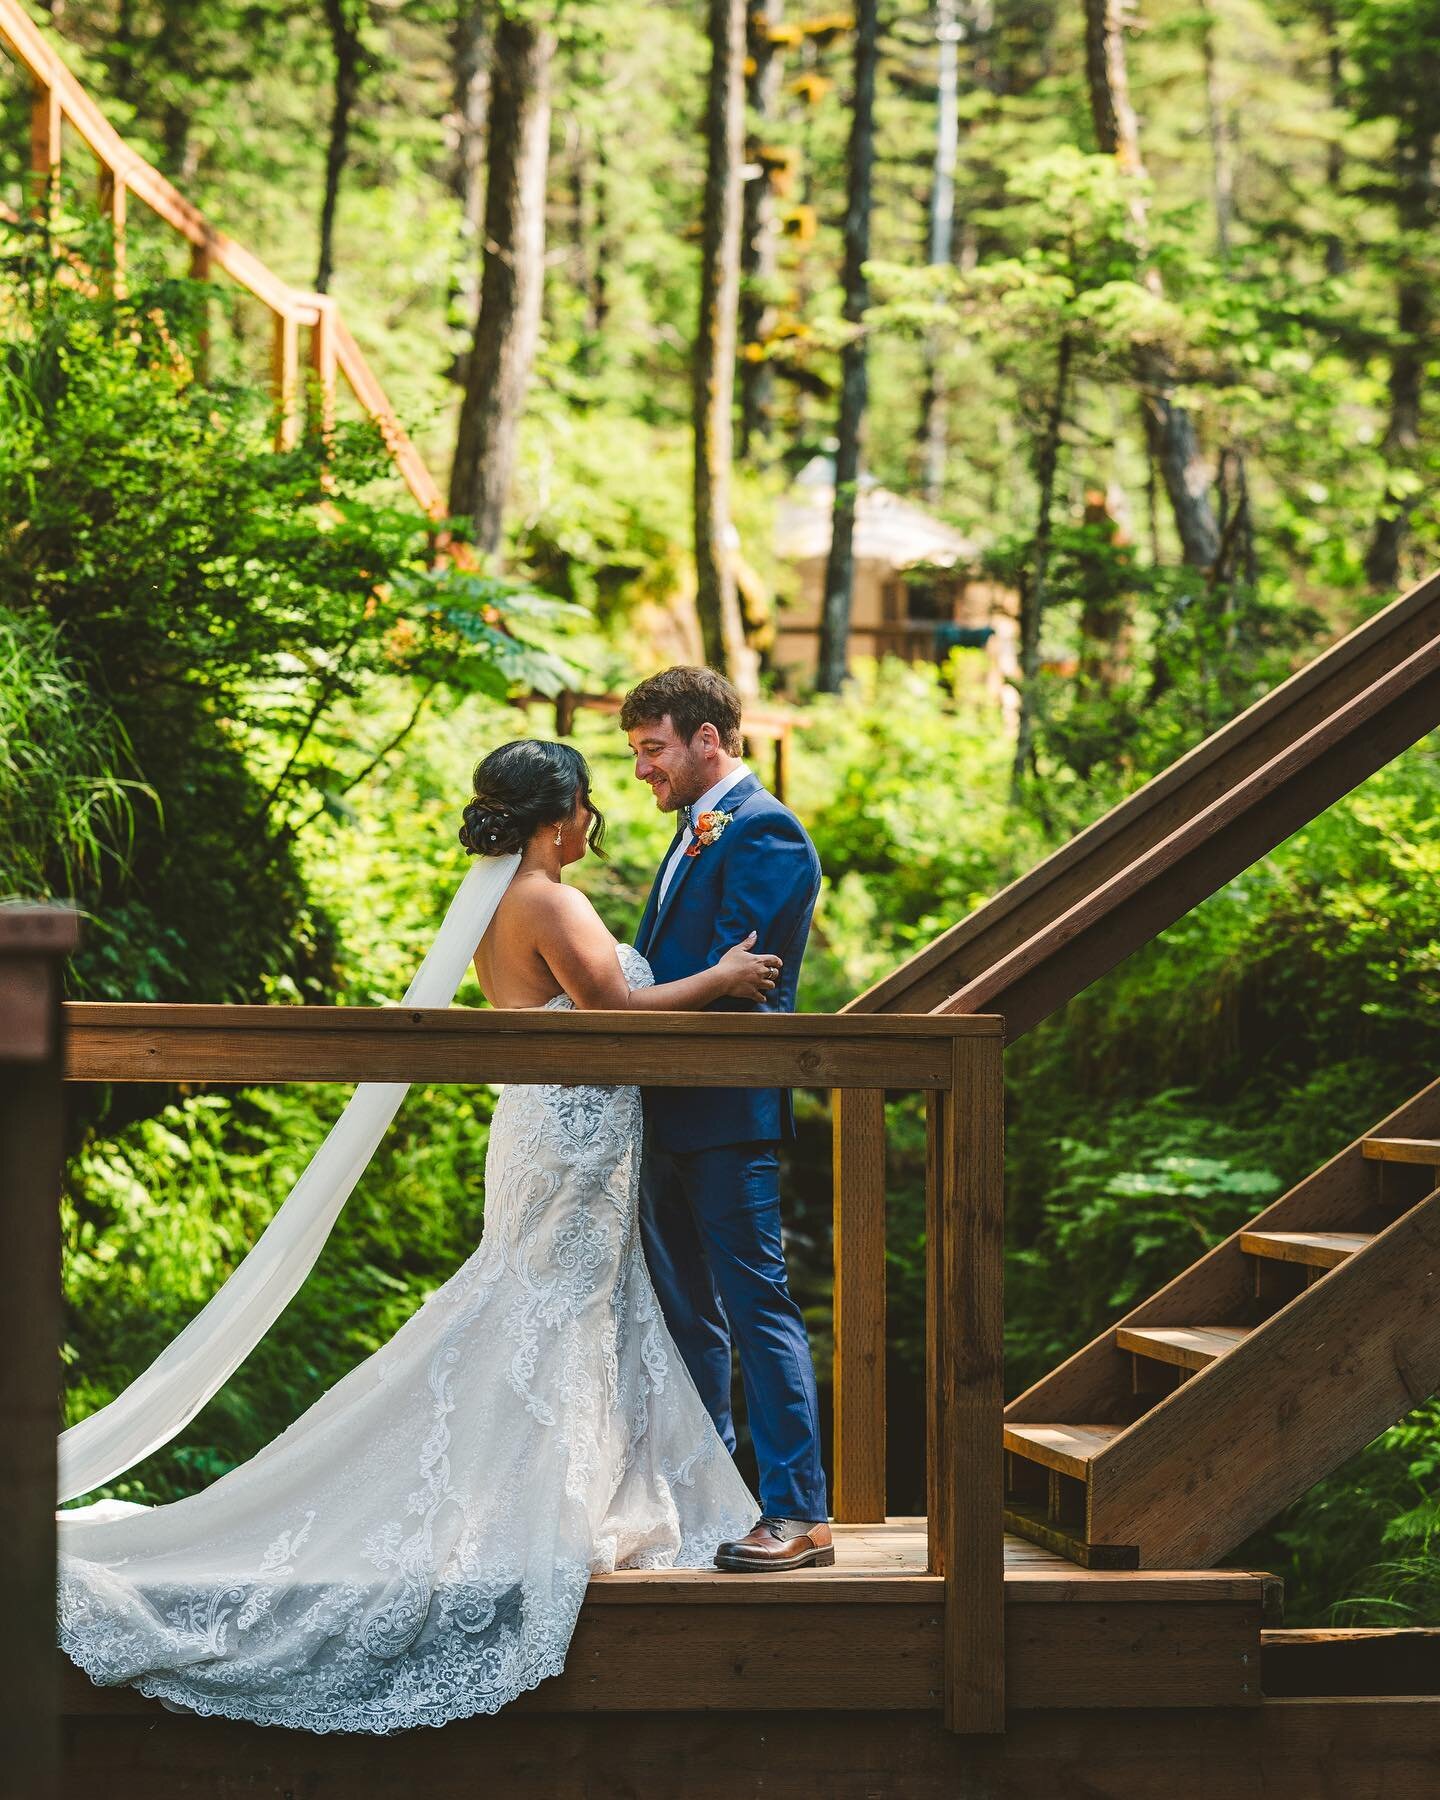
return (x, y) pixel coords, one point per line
(917, 593)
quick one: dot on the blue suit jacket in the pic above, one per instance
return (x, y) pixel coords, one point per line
(761, 874)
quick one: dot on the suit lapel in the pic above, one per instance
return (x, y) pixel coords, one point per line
(731, 802)
(652, 905)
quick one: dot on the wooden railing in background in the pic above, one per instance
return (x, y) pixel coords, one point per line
(60, 99)
(773, 725)
(34, 941)
(955, 1061)
(1106, 892)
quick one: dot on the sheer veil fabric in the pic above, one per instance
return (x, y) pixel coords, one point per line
(415, 1548)
(197, 1363)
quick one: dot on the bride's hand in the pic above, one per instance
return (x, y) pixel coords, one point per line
(749, 977)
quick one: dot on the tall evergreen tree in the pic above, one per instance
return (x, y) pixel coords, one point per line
(513, 274)
(854, 372)
(717, 596)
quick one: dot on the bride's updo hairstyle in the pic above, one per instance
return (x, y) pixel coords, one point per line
(522, 786)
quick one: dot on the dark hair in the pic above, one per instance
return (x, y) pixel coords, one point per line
(522, 786)
(692, 698)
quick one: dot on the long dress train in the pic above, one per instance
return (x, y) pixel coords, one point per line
(416, 1546)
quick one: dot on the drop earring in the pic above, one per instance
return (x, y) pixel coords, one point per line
(559, 835)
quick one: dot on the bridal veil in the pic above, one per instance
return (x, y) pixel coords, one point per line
(197, 1363)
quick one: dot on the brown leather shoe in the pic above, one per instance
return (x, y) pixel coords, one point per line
(778, 1544)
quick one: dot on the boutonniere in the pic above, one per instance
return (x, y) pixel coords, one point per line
(707, 828)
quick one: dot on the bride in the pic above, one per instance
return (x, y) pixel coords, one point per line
(416, 1546)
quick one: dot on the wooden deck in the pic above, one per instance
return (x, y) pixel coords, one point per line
(869, 1634)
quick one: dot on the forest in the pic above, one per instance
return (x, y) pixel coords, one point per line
(1137, 304)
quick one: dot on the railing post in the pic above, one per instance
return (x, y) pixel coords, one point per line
(285, 375)
(112, 199)
(966, 1375)
(46, 128)
(858, 1117)
(33, 940)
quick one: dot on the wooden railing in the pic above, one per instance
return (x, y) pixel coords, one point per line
(1102, 895)
(121, 172)
(34, 940)
(1238, 794)
(955, 1061)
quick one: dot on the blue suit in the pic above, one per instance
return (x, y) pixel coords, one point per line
(710, 1191)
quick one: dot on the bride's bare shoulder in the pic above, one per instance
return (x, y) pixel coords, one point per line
(545, 905)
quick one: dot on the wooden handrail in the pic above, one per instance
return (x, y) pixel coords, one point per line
(1257, 738)
(955, 1060)
(1211, 847)
(60, 97)
(109, 1042)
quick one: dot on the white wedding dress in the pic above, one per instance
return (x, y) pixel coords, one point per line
(416, 1546)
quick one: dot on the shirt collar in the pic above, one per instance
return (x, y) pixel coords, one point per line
(712, 796)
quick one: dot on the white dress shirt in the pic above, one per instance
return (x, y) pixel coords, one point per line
(707, 802)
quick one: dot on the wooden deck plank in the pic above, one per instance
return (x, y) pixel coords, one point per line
(1067, 1448)
(1284, 1750)
(1425, 1151)
(1314, 1249)
(1186, 1346)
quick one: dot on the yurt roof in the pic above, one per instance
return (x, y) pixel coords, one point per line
(888, 529)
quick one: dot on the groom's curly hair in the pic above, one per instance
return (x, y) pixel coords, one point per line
(692, 698)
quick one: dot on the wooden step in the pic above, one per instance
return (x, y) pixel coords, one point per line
(1403, 1150)
(1033, 1523)
(1186, 1346)
(1316, 1249)
(1065, 1448)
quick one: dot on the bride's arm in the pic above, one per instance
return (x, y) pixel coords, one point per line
(580, 954)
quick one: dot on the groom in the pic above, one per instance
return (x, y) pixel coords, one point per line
(710, 1192)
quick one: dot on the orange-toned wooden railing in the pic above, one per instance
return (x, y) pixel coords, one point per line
(955, 1061)
(1112, 888)
(58, 100)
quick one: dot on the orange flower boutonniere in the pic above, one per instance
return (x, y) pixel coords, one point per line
(707, 828)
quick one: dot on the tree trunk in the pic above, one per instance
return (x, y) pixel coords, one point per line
(933, 429)
(1335, 148)
(512, 278)
(1402, 434)
(1105, 604)
(1222, 172)
(1182, 469)
(470, 98)
(717, 599)
(840, 564)
(758, 261)
(343, 20)
(1033, 588)
(1415, 205)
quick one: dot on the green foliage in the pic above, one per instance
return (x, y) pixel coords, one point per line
(66, 801)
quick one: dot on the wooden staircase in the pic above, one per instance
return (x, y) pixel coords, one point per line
(1190, 1423)
(1112, 888)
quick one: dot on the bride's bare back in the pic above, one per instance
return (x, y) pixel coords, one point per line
(547, 939)
(509, 964)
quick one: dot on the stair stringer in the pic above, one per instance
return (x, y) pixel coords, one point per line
(1312, 1385)
(1086, 1387)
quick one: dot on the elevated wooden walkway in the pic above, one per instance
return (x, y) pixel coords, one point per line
(869, 1635)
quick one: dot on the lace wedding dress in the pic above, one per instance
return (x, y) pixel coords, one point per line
(415, 1547)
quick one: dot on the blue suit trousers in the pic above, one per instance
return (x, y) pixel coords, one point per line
(710, 1224)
